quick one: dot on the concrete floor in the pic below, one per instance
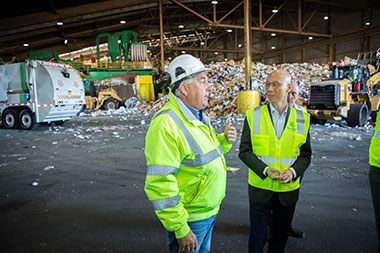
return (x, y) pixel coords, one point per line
(89, 194)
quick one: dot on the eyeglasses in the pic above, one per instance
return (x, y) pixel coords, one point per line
(274, 84)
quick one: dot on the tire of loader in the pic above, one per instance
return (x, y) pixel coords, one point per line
(357, 115)
(110, 104)
(10, 119)
(26, 120)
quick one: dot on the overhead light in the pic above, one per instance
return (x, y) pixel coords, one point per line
(225, 59)
(214, 2)
(181, 26)
(273, 47)
(202, 43)
(183, 52)
(367, 23)
(122, 22)
(239, 45)
(169, 58)
(59, 23)
(326, 17)
(66, 41)
(273, 34)
(274, 10)
(310, 38)
(26, 45)
(229, 30)
(216, 52)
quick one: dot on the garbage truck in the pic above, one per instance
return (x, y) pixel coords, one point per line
(35, 91)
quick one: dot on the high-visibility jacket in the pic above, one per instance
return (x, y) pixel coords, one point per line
(186, 175)
(374, 148)
(276, 153)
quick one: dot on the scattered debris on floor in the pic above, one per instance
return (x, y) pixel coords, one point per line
(233, 169)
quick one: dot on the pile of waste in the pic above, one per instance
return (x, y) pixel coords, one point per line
(227, 78)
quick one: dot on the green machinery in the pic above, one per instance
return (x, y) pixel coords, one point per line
(126, 56)
(114, 46)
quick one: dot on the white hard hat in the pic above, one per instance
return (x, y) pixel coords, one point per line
(183, 67)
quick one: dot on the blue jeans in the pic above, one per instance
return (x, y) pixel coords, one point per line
(202, 230)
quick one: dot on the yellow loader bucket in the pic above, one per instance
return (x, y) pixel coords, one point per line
(247, 99)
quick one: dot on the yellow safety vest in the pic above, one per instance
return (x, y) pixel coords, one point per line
(374, 148)
(276, 153)
(186, 174)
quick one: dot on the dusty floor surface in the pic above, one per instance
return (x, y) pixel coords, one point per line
(79, 188)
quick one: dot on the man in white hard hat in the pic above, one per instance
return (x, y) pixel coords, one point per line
(186, 175)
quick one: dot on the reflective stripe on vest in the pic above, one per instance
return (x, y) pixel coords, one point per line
(161, 204)
(256, 131)
(300, 122)
(272, 160)
(378, 135)
(287, 161)
(190, 139)
(198, 161)
(267, 159)
(256, 121)
(161, 170)
(199, 158)
(298, 107)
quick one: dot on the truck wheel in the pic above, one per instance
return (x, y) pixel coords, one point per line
(357, 115)
(110, 104)
(10, 119)
(26, 120)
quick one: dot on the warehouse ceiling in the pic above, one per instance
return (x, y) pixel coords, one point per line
(67, 26)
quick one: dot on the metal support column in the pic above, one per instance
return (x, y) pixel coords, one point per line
(247, 40)
(161, 37)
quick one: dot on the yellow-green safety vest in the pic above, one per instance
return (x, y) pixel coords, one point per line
(276, 153)
(374, 148)
(186, 174)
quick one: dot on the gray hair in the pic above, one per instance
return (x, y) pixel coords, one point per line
(187, 82)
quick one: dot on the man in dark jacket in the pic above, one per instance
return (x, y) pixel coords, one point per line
(275, 145)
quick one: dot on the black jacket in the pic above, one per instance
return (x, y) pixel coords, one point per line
(261, 196)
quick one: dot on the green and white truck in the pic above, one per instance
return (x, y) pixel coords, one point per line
(38, 91)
